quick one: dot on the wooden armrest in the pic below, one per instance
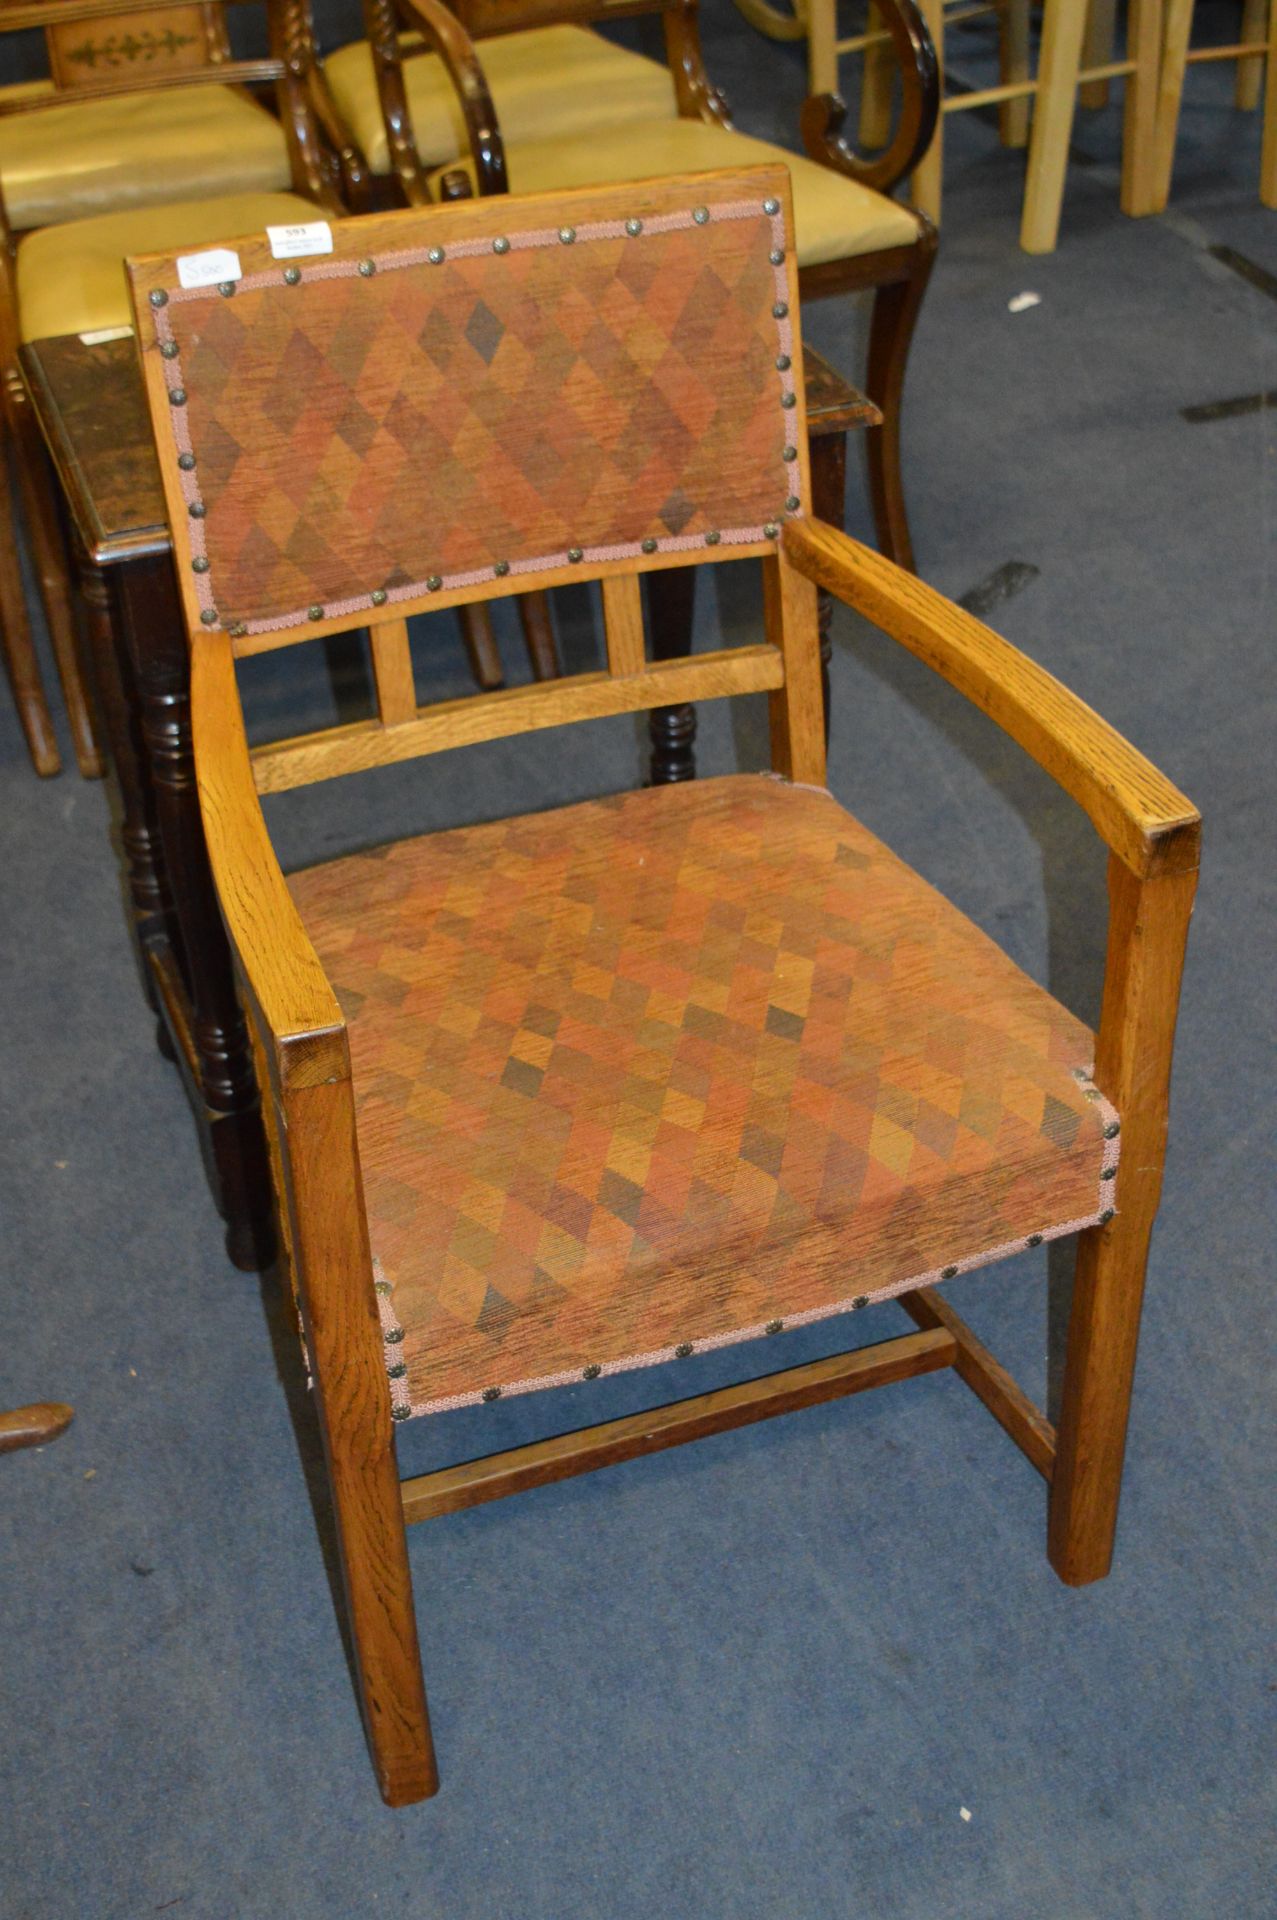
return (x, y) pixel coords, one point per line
(824, 115)
(349, 163)
(281, 969)
(1137, 812)
(443, 32)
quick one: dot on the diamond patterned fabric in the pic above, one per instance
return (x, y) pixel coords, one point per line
(402, 424)
(660, 1072)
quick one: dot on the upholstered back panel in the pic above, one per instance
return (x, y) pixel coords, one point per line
(462, 395)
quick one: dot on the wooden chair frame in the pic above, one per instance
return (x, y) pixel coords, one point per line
(897, 276)
(1256, 57)
(1152, 833)
(324, 167)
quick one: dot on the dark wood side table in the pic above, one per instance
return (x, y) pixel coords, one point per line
(88, 401)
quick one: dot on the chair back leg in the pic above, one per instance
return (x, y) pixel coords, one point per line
(17, 646)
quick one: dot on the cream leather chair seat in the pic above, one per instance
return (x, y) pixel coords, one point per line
(548, 80)
(94, 156)
(834, 218)
(71, 277)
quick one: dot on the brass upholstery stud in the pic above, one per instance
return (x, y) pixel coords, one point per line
(197, 509)
(199, 564)
(682, 1350)
(1109, 1173)
(186, 461)
(501, 568)
(1034, 1240)
(567, 235)
(315, 613)
(1106, 1216)
(401, 1413)
(789, 400)
(575, 554)
(780, 311)
(383, 1287)
(771, 530)
(169, 349)
(434, 583)
(500, 245)
(1112, 1130)
(783, 363)
(398, 1371)
(158, 297)
(177, 396)
(379, 597)
(713, 537)
(292, 276)
(777, 256)
(789, 455)
(793, 503)
(237, 630)
(394, 1336)
(492, 1393)
(947, 1273)
(774, 1326)
(649, 545)
(771, 207)
(861, 1300)
(591, 1372)
(435, 256)
(367, 268)
(633, 227)
(226, 288)
(209, 616)
(701, 216)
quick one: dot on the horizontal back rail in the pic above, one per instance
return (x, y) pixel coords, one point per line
(225, 73)
(362, 744)
(18, 15)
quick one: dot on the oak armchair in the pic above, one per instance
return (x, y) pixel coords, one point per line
(578, 1092)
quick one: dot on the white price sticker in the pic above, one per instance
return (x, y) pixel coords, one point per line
(209, 269)
(290, 243)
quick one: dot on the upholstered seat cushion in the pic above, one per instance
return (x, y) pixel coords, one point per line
(834, 218)
(97, 156)
(71, 278)
(668, 1070)
(549, 80)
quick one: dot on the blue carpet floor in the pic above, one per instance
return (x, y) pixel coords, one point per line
(762, 1678)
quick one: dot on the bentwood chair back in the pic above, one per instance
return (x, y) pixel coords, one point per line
(578, 1092)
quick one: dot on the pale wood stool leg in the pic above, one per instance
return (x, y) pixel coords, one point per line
(1148, 926)
(1063, 22)
(822, 51)
(1142, 114)
(1013, 65)
(1097, 50)
(926, 187)
(875, 90)
(1249, 84)
(1268, 158)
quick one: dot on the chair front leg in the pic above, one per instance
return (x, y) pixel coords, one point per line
(1148, 927)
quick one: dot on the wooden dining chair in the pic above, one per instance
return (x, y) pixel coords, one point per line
(651, 119)
(588, 1090)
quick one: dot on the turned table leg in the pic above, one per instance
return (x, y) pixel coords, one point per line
(219, 1058)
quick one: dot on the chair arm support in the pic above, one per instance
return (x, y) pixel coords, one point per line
(1145, 820)
(824, 114)
(349, 162)
(298, 1009)
(443, 32)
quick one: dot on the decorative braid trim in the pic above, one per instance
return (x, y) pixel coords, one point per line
(393, 262)
(403, 1406)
